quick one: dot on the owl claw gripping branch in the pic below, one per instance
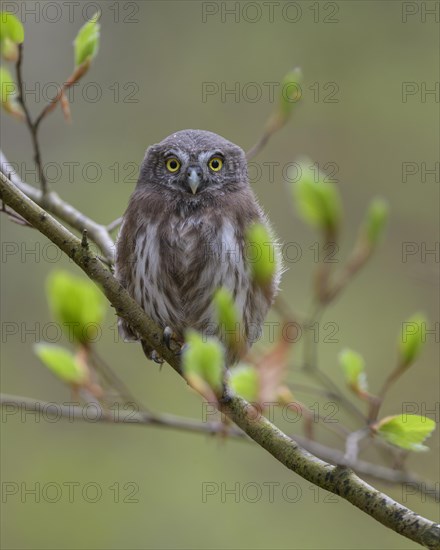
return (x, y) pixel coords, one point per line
(183, 237)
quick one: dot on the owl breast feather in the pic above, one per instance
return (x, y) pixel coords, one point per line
(176, 267)
(180, 265)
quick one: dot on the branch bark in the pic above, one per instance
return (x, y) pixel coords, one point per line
(339, 480)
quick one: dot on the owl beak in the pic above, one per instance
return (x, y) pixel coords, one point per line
(193, 180)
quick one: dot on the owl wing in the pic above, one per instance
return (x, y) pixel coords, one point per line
(125, 258)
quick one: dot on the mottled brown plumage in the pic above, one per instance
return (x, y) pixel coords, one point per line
(183, 236)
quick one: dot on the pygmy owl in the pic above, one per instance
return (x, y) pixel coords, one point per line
(183, 236)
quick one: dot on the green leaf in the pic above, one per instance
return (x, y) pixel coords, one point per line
(228, 321)
(318, 201)
(86, 42)
(226, 310)
(376, 218)
(11, 28)
(77, 304)
(204, 358)
(7, 86)
(290, 91)
(412, 338)
(244, 381)
(353, 365)
(8, 94)
(406, 431)
(61, 362)
(9, 50)
(261, 253)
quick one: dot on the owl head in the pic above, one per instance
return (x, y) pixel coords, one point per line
(194, 163)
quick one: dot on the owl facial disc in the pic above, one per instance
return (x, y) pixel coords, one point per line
(193, 179)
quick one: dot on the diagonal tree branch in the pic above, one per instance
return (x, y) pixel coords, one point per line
(339, 480)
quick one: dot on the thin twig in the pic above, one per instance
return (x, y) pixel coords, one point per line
(13, 216)
(322, 377)
(115, 415)
(311, 369)
(283, 308)
(376, 401)
(64, 211)
(356, 261)
(275, 123)
(335, 427)
(114, 224)
(12, 404)
(325, 268)
(259, 146)
(33, 128)
(114, 381)
(352, 445)
(73, 78)
(313, 390)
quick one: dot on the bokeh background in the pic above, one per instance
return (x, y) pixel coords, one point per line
(153, 62)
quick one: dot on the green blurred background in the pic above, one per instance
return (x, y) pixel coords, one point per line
(168, 51)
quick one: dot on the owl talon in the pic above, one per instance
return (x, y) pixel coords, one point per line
(167, 337)
(181, 351)
(154, 356)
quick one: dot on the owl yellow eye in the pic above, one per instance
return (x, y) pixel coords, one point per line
(173, 165)
(215, 164)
